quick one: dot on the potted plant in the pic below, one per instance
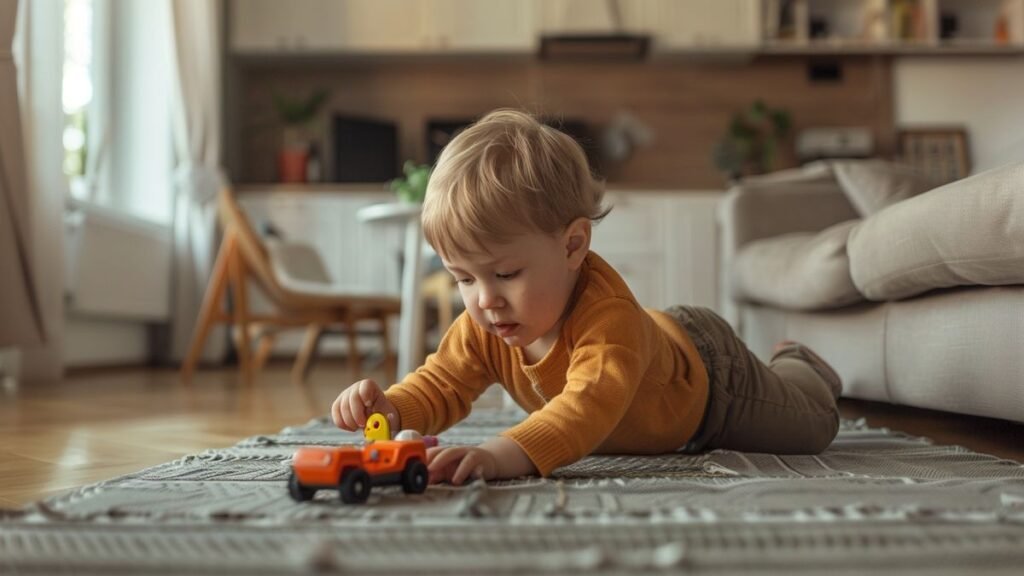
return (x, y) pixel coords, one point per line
(413, 186)
(752, 141)
(297, 139)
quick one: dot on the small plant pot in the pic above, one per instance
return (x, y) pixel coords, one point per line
(291, 165)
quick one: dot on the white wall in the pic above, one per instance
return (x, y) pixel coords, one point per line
(986, 94)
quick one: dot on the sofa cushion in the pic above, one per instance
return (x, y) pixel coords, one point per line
(799, 271)
(872, 185)
(967, 232)
(818, 171)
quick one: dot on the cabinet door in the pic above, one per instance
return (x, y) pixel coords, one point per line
(692, 269)
(590, 16)
(705, 24)
(664, 245)
(294, 26)
(481, 26)
(260, 25)
(382, 25)
(645, 274)
(632, 239)
(635, 224)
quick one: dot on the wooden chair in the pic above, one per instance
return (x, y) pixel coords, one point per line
(243, 258)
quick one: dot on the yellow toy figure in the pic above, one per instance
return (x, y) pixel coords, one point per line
(377, 428)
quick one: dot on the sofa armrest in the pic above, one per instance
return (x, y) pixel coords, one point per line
(753, 211)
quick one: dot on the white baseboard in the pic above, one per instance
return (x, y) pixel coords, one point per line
(100, 342)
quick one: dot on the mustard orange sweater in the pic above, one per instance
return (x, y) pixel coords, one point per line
(619, 380)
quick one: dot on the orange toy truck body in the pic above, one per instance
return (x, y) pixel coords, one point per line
(354, 471)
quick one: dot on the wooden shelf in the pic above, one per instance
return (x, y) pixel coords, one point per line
(892, 49)
(896, 27)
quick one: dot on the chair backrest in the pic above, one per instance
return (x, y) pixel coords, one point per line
(296, 262)
(257, 260)
(254, 253)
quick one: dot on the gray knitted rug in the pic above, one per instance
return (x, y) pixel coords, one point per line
(875, 500)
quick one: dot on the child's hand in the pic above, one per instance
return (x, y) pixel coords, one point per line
(498, 458)
(355, 404)
(455, 464)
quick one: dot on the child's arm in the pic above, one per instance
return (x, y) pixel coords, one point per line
(441, 391)
(496, 459)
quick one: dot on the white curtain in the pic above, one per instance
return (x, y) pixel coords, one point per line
(19, 303)
(198, 176)
(32, 185)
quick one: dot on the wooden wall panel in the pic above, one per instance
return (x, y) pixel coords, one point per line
(687, 103)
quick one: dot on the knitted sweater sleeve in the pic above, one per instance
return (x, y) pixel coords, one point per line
(441, 392)
(606, 364)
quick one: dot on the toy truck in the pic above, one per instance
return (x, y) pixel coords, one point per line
(354, 471)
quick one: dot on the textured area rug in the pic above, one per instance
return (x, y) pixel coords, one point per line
(875, 500)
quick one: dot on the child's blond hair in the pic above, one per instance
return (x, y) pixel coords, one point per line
(505, 175)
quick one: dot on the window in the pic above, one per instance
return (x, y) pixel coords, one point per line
(77, 89)
(117, 89)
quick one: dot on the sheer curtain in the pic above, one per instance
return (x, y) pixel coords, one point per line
(32, 185)
(198, 175)
(19, 304)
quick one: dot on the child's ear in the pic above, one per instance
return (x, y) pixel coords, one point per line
(577, 241)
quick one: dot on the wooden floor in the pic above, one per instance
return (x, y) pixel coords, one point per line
(97, 425)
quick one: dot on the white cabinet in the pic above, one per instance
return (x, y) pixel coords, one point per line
(674, 25)
(272, 26)
(381, 26)
(481, 26)
(704, 24)
(590, 17)
(664, 244)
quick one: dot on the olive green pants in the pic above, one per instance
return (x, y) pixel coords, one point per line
(784, 407)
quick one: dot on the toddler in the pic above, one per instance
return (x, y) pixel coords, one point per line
(509, 209)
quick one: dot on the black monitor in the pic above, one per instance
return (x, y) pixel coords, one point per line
(365, 150)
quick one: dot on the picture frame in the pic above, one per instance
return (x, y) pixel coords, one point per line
(940, 153)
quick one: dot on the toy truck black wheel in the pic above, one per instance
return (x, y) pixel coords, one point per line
(299, 492)
(414, 477)
(355, 486)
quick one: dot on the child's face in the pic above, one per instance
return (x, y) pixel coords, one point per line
(519, 290)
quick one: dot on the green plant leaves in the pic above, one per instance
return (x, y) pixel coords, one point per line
(302, 110)
(413, 186)
(752, 140)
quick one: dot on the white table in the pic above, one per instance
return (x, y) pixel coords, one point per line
(410, 327)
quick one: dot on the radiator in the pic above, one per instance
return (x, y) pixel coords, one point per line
(116, 265)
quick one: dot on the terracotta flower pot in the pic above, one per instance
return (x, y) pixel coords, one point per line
(291, 165)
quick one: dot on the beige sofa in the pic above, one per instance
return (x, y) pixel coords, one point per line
(916, 298)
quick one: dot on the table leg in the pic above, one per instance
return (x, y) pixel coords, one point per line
(410, 328)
